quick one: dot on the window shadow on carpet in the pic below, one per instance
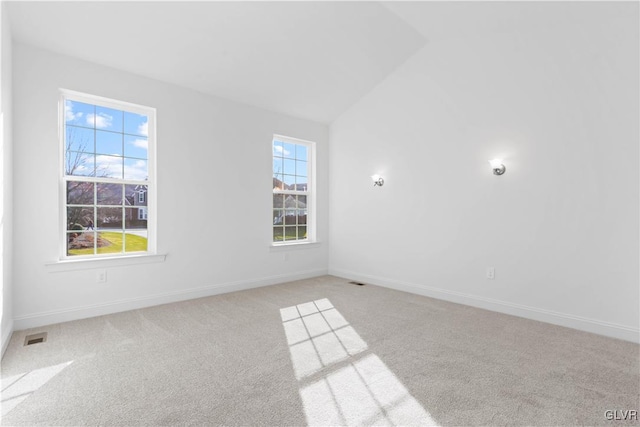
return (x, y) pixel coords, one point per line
(341, 381)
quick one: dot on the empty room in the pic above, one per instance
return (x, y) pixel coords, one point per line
(320, 213)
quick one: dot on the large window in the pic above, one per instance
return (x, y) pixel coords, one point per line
(293, 190)
(107, 177)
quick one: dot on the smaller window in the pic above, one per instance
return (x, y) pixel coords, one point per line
(141, 197)
(293, 190)
(142, 214)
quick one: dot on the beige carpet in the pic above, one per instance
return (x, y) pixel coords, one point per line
(318, 351)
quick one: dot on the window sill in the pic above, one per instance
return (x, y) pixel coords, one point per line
(86, 264)
(276, 247)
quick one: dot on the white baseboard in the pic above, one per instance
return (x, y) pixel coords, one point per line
(7, 331)
(37, 320)
(575, 322)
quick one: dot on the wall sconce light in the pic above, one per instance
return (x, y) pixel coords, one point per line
(497, 166)
(377, 181)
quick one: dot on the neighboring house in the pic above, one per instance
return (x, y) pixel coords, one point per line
(138, 198)
(291, 207)
(80, 215)
(279, 185)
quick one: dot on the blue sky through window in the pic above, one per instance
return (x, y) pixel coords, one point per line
(108, 143)
(290, 162)
(105, 142)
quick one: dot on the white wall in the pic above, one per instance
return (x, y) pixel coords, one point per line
(560, 104)
(6, 199)
(214, 195)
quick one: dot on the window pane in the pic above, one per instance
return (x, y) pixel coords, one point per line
(289, 182)
(136, 124)
(278, 201)
(136, 146)
(302, 216)
(100, 119)
(80, 242)
(301, 168)
(289, 150)
(277, 148)
(301, 183)
(290, 233)
(76, 113)
(136, 219)
(290, 201)
(108, 143)
(277, 166)
(135, 195)
(79, 193)
(135, 241)
(79, 164)
(278, 184)
(135, 169)
(301, 152)
(80, 218)
(109, 194)
(302, 232)
(278, 234)
(108, 166)
(79, 139)
(109, 218)
(289, 166)
(110, 242)
(278, 217)
(108, 119)
(290, 217)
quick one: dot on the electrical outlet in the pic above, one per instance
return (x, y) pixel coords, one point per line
(101, 276)
(491, 273)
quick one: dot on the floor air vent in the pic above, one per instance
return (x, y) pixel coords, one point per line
(356, 283)
(35, 338)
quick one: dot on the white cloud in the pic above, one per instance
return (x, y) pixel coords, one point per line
(109, 160)
(109, 166)
(136, 170)
(279, 150)
(143, 128)
(141, 143)
(101, 120)
(69, 115)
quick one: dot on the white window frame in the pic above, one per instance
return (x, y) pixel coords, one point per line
(310, 192)
(150, 182)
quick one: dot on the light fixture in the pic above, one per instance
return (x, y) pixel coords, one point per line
(377, 180)
(497, 166)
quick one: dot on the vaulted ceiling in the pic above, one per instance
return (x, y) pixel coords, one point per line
(305, 59)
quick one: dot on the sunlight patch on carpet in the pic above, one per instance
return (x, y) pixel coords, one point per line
(17, 388)
(318, 336)
(358, 389)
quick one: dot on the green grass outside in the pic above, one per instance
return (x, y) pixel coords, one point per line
(289, 233)
(134, 243)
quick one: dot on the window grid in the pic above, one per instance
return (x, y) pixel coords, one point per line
(98, 209)
(291, 185)
(102, 210)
